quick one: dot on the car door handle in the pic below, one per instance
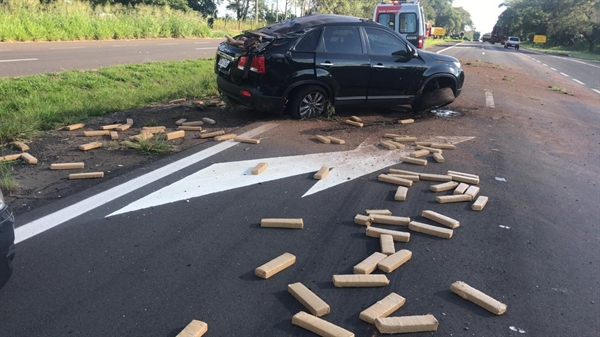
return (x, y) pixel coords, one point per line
(326, 64)
(378, 66)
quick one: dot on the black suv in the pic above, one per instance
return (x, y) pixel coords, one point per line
(7, 239)
(301, 65)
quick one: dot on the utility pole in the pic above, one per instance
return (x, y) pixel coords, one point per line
(286, 4)
(256, 13)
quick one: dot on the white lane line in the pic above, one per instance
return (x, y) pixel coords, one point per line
(553, 69)
(443, 50)
(18, 60)
(565, 75)
(578, 81)
(168, 44)
(67, 48)
(577, 61)
(544, 64)
(489, 100)
(52, 220)
(538, 61)
(214, 48)
(597, 91)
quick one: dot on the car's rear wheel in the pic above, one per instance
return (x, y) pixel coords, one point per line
(436, 98)
(308, 102)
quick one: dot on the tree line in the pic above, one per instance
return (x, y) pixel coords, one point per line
(564, 22)
(438, 12)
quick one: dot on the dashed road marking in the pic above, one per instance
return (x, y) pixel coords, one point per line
(597, 91)
(565, 75)
(576, 61)
(215, 48)
(553, 69)
(578, 81)
(67, 48)
(544, 64)
(489, 100)
(18, 60)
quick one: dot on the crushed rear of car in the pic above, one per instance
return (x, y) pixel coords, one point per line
(301, 66)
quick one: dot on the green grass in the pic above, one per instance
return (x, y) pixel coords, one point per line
(7, 182)
(29, 20)
(560, 90)
(156, 145)
(41, 102)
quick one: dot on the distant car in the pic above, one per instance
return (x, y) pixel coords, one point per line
(7, 241)
(513, 42)
(301, 65)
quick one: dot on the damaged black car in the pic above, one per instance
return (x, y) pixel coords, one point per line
(300, 66)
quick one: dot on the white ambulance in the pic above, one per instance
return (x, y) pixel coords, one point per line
(405, 17)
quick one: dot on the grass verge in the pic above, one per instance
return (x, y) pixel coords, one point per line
(41, 102)
(595, 56)
(7, 182)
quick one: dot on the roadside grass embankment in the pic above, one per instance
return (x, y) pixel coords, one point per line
(581, 54)
(30, 20)
(41, 102)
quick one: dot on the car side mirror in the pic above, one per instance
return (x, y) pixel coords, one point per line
(403, 54)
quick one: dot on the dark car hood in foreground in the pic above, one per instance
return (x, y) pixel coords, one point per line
(438, 57)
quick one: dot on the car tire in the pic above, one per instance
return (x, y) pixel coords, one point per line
(308, 102)
(435, 99)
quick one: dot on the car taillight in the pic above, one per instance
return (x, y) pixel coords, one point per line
(420, 43)
(242, 62)
(257, 65)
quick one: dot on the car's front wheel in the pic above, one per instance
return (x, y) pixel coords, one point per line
(308, 102)
(436, 98)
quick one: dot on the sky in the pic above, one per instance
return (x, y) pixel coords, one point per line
(484, 13)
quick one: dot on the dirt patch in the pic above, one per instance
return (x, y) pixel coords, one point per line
(38, 185)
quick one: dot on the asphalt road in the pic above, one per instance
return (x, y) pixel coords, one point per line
(583, 72)
(29, 58)
(150, 271)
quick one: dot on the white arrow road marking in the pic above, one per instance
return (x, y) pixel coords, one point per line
(52, 220)
(347, 166)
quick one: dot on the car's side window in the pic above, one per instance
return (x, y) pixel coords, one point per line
(309, 41)
(344, 40)
(384, 43)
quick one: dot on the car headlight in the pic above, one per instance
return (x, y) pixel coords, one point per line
(457, 64)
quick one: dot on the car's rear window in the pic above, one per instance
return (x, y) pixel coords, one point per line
(514, 39)
(386, 19)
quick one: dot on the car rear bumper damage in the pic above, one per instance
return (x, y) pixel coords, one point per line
(253, 99)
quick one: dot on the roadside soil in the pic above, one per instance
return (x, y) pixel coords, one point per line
(38, 185)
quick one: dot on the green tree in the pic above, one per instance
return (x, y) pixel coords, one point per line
(205, 7)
